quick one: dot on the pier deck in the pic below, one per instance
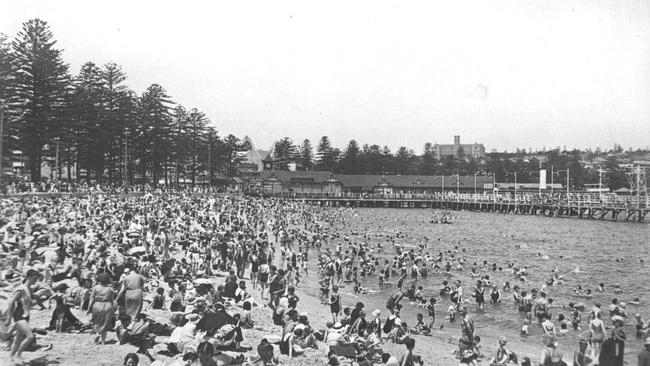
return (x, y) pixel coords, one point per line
(594, 210)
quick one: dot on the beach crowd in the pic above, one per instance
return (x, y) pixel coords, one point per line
(220, 272)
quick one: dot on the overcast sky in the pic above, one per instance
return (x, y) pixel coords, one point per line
(505, 73)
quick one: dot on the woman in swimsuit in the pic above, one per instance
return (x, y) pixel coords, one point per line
(495, 295)
(479, 295)
(597, 333)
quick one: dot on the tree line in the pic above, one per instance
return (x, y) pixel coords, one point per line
(93, 124)
(375, 159)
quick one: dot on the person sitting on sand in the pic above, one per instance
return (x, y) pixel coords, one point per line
(421, 327)
(334, 333)
(265, 355)
(308, 337)
(184, 336)
(246, 319)
(208, 357)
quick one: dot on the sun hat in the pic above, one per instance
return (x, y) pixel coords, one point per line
(338, 325)
(376, 313)
(647, 341)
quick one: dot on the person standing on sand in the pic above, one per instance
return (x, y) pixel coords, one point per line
(102, 306)
(335, 303)
(393, 301)
(18, 311)
(132, 291)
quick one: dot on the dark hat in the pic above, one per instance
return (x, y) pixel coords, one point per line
(360, 304)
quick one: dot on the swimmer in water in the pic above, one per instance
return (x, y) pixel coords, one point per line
(601, 287)
(577, 270)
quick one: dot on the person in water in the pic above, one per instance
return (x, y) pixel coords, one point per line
(495, 295)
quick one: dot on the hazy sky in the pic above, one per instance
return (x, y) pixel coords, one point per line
(505, 73)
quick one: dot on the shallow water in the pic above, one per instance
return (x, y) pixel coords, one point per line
(592, 245)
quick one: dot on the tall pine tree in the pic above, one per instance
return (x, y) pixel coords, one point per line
(37, 92)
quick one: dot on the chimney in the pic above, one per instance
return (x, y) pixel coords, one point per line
(456, 140)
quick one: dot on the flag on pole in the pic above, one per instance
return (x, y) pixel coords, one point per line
(542, 179)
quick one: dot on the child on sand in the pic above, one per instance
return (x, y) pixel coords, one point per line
(524, 327)
(451, 313)
(432, 311)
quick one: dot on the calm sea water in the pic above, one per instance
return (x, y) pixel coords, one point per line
(594, 246)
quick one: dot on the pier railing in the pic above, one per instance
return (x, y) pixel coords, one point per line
(571, 200)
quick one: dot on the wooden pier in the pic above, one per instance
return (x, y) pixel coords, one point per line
(567, 209)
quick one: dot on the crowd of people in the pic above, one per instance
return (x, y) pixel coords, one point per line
(213, 263)
(601, 334)
(120, 258)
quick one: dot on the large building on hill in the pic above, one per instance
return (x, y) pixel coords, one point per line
(458, 150)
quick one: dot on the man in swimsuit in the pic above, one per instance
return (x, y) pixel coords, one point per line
(18, 311)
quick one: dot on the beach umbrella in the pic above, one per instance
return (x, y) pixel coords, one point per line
(213, 320)
(136, 250)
